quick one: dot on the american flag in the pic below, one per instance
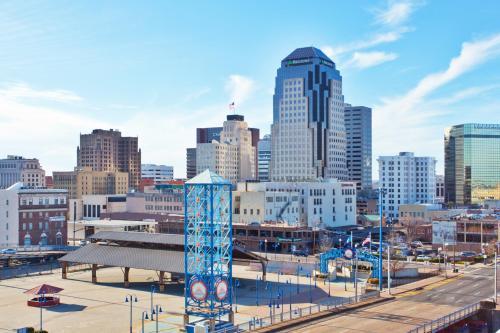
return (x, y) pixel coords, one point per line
(367, 240)
(231, 106)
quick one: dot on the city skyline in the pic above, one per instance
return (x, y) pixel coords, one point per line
(160, 71)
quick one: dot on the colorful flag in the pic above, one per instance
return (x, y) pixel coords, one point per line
(366, 241)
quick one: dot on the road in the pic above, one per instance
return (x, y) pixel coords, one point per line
(411, 308)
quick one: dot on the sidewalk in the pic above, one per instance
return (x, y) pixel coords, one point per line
(417, 285)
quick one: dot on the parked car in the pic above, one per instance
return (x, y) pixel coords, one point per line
(299, 253)
(468, 254)
(8, 251)
(423, 257)
(417, 244)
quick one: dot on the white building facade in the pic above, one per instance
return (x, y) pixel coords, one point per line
(408, 179)
(264, 158)
(314, 204)
(234, 156)
(158, 173)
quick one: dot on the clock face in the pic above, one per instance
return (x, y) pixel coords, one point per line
(221, 289)
(198, 290)
(348, 253)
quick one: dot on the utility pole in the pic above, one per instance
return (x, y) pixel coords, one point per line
(74, 222)
(495, 288)
(389, 267)
(381, 193)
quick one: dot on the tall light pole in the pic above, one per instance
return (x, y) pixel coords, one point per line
(144, 316)
(153, 289)
(74, 222)
(133, 299)
(381, 194)
(237, 285)
(158, 311)
(495, 279)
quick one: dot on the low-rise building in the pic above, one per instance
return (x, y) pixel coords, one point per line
(160, 199)
(90, 207)
(313, 204)
(84, 181)
(158, 173)
(32, 216)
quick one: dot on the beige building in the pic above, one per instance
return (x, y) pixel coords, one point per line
(421, 213)
(109, 151)
(234, 156)
(90, 207)
(84, 181)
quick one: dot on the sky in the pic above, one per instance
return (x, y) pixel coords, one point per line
(159, 69)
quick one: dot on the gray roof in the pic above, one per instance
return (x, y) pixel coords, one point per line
(307, 52)
(119, 256)
(139, 237)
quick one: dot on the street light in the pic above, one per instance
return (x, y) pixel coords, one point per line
(310, 287)
(158, 311)
(237, 285)
(257, 288)
(381, 192)
(265, 246)
(289, 286)
(144, 316)
(133, 299)
(298, 268)
(153, 289)
(279, 273)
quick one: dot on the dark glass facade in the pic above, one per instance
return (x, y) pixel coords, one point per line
(472, 163)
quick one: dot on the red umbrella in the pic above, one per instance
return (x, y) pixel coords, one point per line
(43, 290)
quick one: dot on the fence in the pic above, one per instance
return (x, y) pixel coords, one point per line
(28, 269)
(448, 320)
(282, 316)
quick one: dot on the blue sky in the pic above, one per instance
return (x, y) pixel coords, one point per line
(159, 69)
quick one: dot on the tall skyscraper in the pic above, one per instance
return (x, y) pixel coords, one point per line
(408, 180)
(264, 158)
(15, 169)
(472, 163)
(207, 134)
(108, 151)
(308, 132)
(358, 126)
(234, 156)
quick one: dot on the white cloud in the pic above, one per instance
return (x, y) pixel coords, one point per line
(240, 88)
(410, 122)
(377, 39)
(396, 12)
(364, 60)
(22, 90)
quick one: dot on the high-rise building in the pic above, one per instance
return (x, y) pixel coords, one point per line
(264, 158)
(234, 156)
(158, 173)
(206, 135)
(190, 163)
(15, 169)
(408, 179)
(84, 181)
(472, 163)
(109, 151)
(358, 126)
(308, 132)
(33, 216)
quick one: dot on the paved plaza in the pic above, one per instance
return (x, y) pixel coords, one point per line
(86, 306)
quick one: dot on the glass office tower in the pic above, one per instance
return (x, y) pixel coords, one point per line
(472, 163)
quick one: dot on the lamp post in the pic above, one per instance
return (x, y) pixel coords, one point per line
(144, 316)
(257, 288)
(298, 268)
(310, 288)
(445, 254)
(340, 243)
(158, 311)
(276, 245)
(41, 300)
(131, 300)
(265, 246)
(279, 273)
(153, 289)
(329, 284)
(237, 285)
(381, 194)
(289, 285)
